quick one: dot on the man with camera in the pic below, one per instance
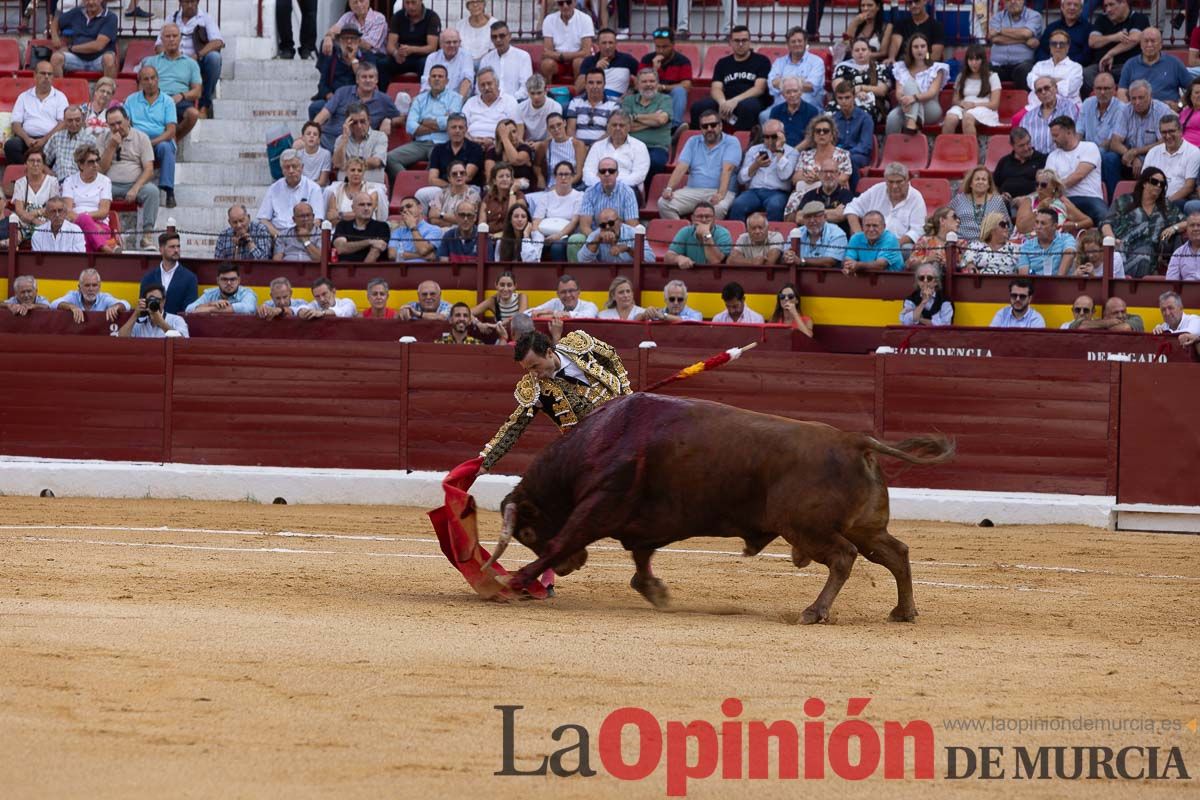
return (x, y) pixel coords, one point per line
(177, 281)
(151, 321)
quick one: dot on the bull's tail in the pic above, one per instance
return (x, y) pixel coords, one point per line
(916, 450)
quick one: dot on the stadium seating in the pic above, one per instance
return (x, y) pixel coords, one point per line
(657, 184)
(936, 191)
(12, 173)
(10, 57)
(406, 184)
(998, 147)
(135, 51)
(783, 228)
(125, 87)
(953, 155)
(660, 232)
(910, 150)
(1011, 101)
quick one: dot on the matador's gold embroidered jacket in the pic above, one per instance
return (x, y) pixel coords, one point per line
(564, 401)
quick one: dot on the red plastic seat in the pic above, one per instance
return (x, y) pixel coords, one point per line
(867, 183)
(683, 138)
(1011, 101)
(772, 52)
(635, 49)
(12, 173)
(125, 87)
(76, 90)
(135, 51)
(910, 150)
(953, 155)
(659, 182)
(1124, 187)
(10, 57)
(661, 232)
(10, 89)
(712, 55)
(783, 228)
(535, 54)
(936, 191)
(27, 62)
(735, 227)
(998, 147)
(406, 185)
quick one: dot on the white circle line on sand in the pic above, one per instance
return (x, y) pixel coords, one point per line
(301, 551)
(598, 547)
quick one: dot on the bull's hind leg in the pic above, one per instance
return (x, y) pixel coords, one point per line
(837, 553)
(883, 548)
(644, 582)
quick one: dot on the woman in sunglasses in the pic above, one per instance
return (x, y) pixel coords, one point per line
(919, 80)
(931, 247)
(1051, 192)
(787, 310)
(993, 254)
(927, 305)
(1144, 223)
(89, 197)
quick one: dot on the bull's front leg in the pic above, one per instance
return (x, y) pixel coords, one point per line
(644, 582)
(574, 536)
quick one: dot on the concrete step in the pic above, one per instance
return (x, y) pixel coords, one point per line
(247, 89)
(221, 196)
(274, 69)
(236, 112)
(243, 174)
(216, 153)
(250, 47)
(218, 131)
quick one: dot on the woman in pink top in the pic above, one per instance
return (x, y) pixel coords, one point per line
(1189, 112)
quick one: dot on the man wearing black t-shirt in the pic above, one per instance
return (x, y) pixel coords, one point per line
(739, 85)
(1016, 172)
(412, 36)
(362, 238)
(918, 21)
(1116, 37)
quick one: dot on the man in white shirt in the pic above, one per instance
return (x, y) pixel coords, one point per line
(460, 67)
(326, 302)
(1077, 164)
(736, 309)
(1175, 321)
(902, 206)
(1179, 160)
(512, 66)
(632, 157)
(88, 297)
(36, 116)
(567, 305)
(151, 320)
(276, 209)
(57, 234)
(533, 111)
(485, 110)
(566, 40)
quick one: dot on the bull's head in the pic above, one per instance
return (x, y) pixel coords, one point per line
(525, 522)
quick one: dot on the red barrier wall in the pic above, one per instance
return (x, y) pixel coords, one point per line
(1044, 425)
(1159, 435)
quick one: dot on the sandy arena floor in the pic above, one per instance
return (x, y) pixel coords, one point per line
(218, 657)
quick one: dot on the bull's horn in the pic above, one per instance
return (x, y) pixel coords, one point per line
(506, 534)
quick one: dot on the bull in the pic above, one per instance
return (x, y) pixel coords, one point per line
(651, 470)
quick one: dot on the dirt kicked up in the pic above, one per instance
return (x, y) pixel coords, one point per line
(184, 649)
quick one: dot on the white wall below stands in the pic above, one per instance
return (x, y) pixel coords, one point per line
(112, 479)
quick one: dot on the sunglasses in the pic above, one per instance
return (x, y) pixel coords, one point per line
(1002, 224)
(710, 126)
(822, 130)
(661, 34)
(1081, 310)
(466, 213)
(1059, 43)
(1016, 296)
(927, 278)
(787, 296)
(676, 299)
(606, 171)
(1157, 182)
(612, 223)
(458, 173)
(1043, 184)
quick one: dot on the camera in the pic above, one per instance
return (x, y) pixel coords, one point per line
(153, 304)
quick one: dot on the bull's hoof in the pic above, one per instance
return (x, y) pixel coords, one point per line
(903, 614)
(653, 589)
(812, 615)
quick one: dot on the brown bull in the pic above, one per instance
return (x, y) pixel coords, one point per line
(650, 470)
